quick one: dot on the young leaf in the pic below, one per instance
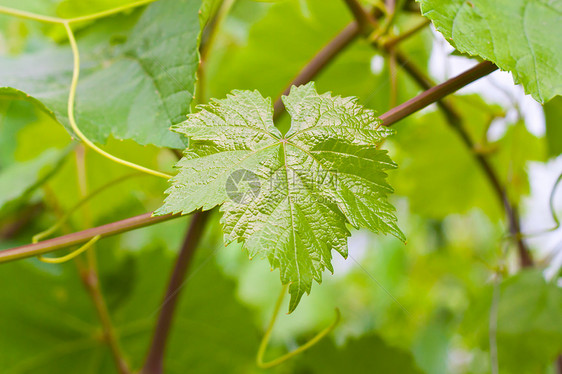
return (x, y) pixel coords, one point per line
(288, 197)
(517, 35)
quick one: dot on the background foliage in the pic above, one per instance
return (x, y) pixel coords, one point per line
(442, 303)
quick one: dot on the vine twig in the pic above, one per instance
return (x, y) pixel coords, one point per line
(435, 93)
(83, 236)
(155, 359)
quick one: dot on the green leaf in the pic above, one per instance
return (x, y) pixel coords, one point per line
(137, 74)
(368, 354)
(20, 180)
(517, 35)
(529, 322)
(52, 327)
(433, 158)
(14, 115)
(553, 117)
(288, 197)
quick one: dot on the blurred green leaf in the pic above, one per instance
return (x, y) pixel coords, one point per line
(52, 326)
(529, 322)
(19, 180)
(14, 115)
(513, 152)
(514, 34)
(275, 54)
(137, 74)
(438, 173)
(369, 354)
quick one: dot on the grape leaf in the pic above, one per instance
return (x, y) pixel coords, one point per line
(137, 74)
(517, 35)
(288, 197)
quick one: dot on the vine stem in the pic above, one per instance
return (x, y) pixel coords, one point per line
(154, 363)
(436, 93)
(80, 237)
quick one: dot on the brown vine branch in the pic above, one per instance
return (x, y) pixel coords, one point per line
(154, 363)
(80, 237)
(364, 19)
(436, 93)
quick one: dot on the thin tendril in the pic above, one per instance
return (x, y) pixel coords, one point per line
(43, 234)
(302, 348)
(29, 15)
(71, 119)
(109, 12)
(71, 255)
(90, 17)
